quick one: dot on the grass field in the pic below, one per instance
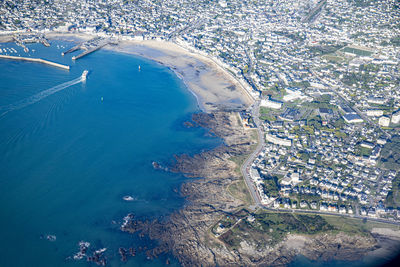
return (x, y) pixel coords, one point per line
(357, 51)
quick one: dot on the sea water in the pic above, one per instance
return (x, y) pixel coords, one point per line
(71, 151)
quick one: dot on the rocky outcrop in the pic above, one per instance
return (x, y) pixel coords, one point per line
(187, 232)
(340, 246)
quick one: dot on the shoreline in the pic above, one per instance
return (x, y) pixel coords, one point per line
(214, 87)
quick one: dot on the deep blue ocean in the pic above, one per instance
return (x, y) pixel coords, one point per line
(68, 158)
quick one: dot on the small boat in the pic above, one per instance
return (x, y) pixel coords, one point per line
(128, 198)
(139, 67)
(84, 75)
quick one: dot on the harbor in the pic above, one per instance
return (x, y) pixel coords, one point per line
(23, 39)
(89, 47)
(39, 60)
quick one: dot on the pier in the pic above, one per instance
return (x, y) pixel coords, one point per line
(89, 46)
(39, 60)
(77, 47)
(91, 50)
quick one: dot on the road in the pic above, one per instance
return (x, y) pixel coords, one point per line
(247, 164)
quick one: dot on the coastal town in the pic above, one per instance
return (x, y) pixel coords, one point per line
(304, 96)
(324, 76)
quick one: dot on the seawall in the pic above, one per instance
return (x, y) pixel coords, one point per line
(43, 61)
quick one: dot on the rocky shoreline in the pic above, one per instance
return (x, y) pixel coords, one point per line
(187, 233)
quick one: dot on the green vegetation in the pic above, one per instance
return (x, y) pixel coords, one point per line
(393, 197)
(267, 118)
(333, 58)
(264, 110)
(361, 3)
(269, 228)
(395, 41)
(239, 190)
(354, 226)
(281, 223)
(302, 84)
(304, 156)
(308, 197)
(359, 52)
(323, 50)
(315, 122)
(321, 102)
(340, 134)
(391, 154)
(354, 78)
(270, 186)
(339, 123)
(291, 35)
(363, 151)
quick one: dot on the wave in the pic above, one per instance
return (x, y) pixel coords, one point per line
(37, 97)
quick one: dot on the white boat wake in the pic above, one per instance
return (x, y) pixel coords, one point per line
(39, 96)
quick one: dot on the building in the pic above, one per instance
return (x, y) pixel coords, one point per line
(278, 140)
(293, 93)
(367, 144)
(384, 121)
(271, 103)
(290, 114)
(352, 118)
(376, 100)
(374, 113)
(396, 117)
(292, 179)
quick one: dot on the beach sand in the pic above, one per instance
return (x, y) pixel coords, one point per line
(214, 88)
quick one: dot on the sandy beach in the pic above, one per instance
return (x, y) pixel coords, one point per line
(214, 88)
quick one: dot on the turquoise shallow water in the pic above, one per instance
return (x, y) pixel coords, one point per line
(68, 159)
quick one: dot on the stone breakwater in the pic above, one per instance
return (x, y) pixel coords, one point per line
(39, 60)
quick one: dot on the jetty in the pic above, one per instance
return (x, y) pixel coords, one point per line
(91, 50)
(89, 46)
(77, 47)
(39, 60)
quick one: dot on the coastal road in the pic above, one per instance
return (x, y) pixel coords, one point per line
(247, 164)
